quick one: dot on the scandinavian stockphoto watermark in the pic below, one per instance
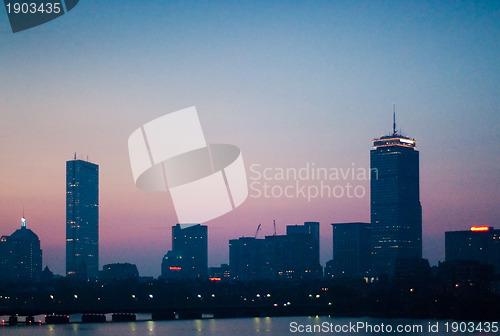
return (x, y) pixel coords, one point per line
(25, 14)
(309, 181)
(170, 153)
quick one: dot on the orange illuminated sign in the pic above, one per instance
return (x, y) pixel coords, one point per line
(479, 228)
(175, 268)
(214, 279)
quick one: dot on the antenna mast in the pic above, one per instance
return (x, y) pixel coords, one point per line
(274, 225)
(394, 118)
(23, 220)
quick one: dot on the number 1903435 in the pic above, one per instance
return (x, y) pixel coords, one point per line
(33, 8)
(471, 327)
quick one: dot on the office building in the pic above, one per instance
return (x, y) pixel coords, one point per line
(82, 219)
(20, 256)
(188, 258)
(246, 259)
(277, 257)
(302, 251)
(396, 213)
(480, 243)
(351, 250)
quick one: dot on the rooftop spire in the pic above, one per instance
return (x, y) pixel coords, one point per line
(23, 220)
(394, 118)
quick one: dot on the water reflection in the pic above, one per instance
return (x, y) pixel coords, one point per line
(214, 327)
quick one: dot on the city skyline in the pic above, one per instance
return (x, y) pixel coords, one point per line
(288, 84)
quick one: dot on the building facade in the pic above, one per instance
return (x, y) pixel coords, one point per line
(303, 250)
(480, 243)
(20, 256)
(351, 250)
(246, 261)
(279, 257)
(396, 213)
(188, 258)
(82, 219)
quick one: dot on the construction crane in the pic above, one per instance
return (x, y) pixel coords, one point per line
(257, 231)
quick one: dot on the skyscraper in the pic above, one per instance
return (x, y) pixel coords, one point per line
(188, 258)
(396, 213)
(20, 256)
(82, 219)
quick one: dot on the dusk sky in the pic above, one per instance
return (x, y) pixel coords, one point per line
(292, 84)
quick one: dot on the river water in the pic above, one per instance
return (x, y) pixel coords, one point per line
(301, 325)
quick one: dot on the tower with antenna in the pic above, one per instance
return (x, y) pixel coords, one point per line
(396, 213)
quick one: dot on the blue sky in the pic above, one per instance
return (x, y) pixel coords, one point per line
(289, 83)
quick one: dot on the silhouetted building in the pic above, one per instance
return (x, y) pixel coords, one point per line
(219, 273)
(118, 271)
(82, 219)
(291, 256)
(480, 243)
(305, 239)
(246, 259)
(172, 265)
(20, 256)
(188, 258)
(351, 249)
(396, 213)
(277, 257)
(302, 244)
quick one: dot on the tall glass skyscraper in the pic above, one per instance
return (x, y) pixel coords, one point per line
(396, 213)
(82, 219)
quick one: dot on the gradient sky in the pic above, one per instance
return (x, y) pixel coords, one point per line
(288, 83)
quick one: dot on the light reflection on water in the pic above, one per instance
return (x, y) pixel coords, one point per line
(212, 327)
